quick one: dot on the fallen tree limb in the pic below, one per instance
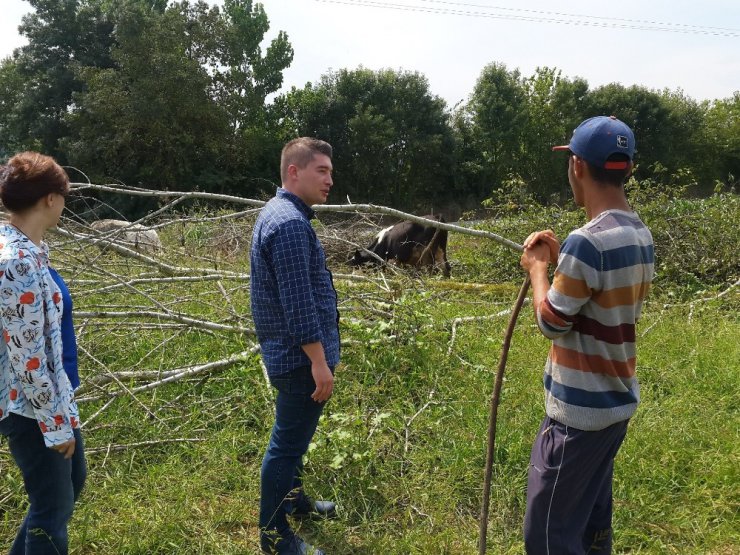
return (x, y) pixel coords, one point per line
(349, 208)
(123, 447)
(467, 319)
(169, 316)
(178, 374)
(164, 268)
(141, 192)
(373, 209)
(124, 389)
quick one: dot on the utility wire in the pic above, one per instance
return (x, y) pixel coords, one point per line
(608, 23)
(583, 16)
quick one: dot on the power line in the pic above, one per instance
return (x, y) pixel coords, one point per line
(611, 23)
(584, 16)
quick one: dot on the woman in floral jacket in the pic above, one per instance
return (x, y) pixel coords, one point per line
(38, 413)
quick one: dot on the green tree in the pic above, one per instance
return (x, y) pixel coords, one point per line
(646, 112)
(687, 155)
(553, 109)
(243, 79)
(679, 140)
(63, 35)
(390, 134)
(149, 119)
(11, 93)
(508, 128)
(183, 101)
(147, 91)
(722, 133)
(490, 128)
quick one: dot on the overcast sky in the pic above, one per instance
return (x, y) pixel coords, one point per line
(599, 41)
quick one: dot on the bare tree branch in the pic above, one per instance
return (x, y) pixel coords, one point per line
(111, 448)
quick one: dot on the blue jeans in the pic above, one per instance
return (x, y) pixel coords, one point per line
(296, 418)
(52, 482)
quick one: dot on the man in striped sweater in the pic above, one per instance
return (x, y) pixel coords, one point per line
(604, 270)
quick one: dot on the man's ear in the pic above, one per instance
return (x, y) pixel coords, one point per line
(579, 167)
(293, 171)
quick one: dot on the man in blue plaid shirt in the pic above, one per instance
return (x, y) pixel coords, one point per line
(294, 306)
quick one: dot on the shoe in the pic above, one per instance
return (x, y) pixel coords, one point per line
(289, 546)
(303, 548)
(309, 508)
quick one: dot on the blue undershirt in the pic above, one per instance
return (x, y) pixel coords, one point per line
(69, 341)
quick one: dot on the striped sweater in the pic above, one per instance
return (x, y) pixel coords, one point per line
(603, 274)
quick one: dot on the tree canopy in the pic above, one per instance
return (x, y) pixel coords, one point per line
(187, 95)
(390, 134)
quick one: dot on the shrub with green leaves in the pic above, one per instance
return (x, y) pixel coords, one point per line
(696, 239)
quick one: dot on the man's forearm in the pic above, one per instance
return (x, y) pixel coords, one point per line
(320, 371)
(540, 284)
(315, 351)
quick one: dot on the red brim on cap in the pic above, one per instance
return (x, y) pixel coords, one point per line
(564, 147)
(609, 165)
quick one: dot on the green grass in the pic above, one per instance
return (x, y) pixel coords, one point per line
(401, 445)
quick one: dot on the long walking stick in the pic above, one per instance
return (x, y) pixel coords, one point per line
(494, 412)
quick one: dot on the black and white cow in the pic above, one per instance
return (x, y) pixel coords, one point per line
(408, 243)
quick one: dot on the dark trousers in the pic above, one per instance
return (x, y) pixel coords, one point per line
(569, 490)
(52, 482)
(296, 418)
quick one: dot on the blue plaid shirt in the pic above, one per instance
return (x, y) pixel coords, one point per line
(293, 297)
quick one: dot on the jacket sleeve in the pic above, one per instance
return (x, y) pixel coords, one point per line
(290, 255)
(24, 322)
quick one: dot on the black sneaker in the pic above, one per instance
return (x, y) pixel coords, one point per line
(305, 507)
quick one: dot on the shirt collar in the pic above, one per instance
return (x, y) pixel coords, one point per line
(305, 209)
(12, 233)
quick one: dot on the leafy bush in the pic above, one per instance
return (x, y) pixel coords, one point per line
(696, 240)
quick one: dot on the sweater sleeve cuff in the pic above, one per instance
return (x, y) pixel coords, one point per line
(57, 437)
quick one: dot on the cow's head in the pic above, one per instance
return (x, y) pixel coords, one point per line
(358, 258)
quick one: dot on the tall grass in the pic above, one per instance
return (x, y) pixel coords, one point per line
(401, 445)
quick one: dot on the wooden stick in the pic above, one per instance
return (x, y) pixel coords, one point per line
(493, 415)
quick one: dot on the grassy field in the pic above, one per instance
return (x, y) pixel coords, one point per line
(401, 445)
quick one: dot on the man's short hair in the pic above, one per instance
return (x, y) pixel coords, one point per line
(299, 152)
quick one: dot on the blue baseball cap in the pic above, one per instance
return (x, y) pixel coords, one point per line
(597, 138)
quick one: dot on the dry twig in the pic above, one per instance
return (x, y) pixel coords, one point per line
(123, 447)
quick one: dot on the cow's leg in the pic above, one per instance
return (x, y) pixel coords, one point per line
(440, 261)
(446, 267)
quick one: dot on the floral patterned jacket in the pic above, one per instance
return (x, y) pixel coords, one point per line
(33, 382)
